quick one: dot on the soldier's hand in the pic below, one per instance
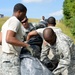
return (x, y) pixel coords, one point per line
(30, 49)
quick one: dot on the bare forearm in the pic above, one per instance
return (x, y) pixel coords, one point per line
(32, 33)
(11, 39)
(16, 42)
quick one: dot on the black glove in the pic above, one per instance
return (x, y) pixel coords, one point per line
(49, 64)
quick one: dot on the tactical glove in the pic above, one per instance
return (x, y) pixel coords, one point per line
(30, 49)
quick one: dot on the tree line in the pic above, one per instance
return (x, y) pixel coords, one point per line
(69, 14)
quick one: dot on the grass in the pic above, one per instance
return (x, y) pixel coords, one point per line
(2, 20)
(65, 29)
(33, 20)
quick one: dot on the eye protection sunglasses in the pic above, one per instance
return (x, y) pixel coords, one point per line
(25, 21)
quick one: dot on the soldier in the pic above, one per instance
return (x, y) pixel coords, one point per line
(66, 44)
(12, 38)
(27, 27)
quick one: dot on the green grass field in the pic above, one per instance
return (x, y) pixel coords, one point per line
(2, 20)
(65, 29)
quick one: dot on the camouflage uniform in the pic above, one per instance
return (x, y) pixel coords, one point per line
(10, 67)
(26, 31)
(10, 53)
(61, 51)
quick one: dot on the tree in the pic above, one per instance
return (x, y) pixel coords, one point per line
(69, 14)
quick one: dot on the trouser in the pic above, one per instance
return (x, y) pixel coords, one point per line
(0, 64)
(65, 72)
(10, 64)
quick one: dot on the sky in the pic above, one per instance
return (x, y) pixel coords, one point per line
(35, 8)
